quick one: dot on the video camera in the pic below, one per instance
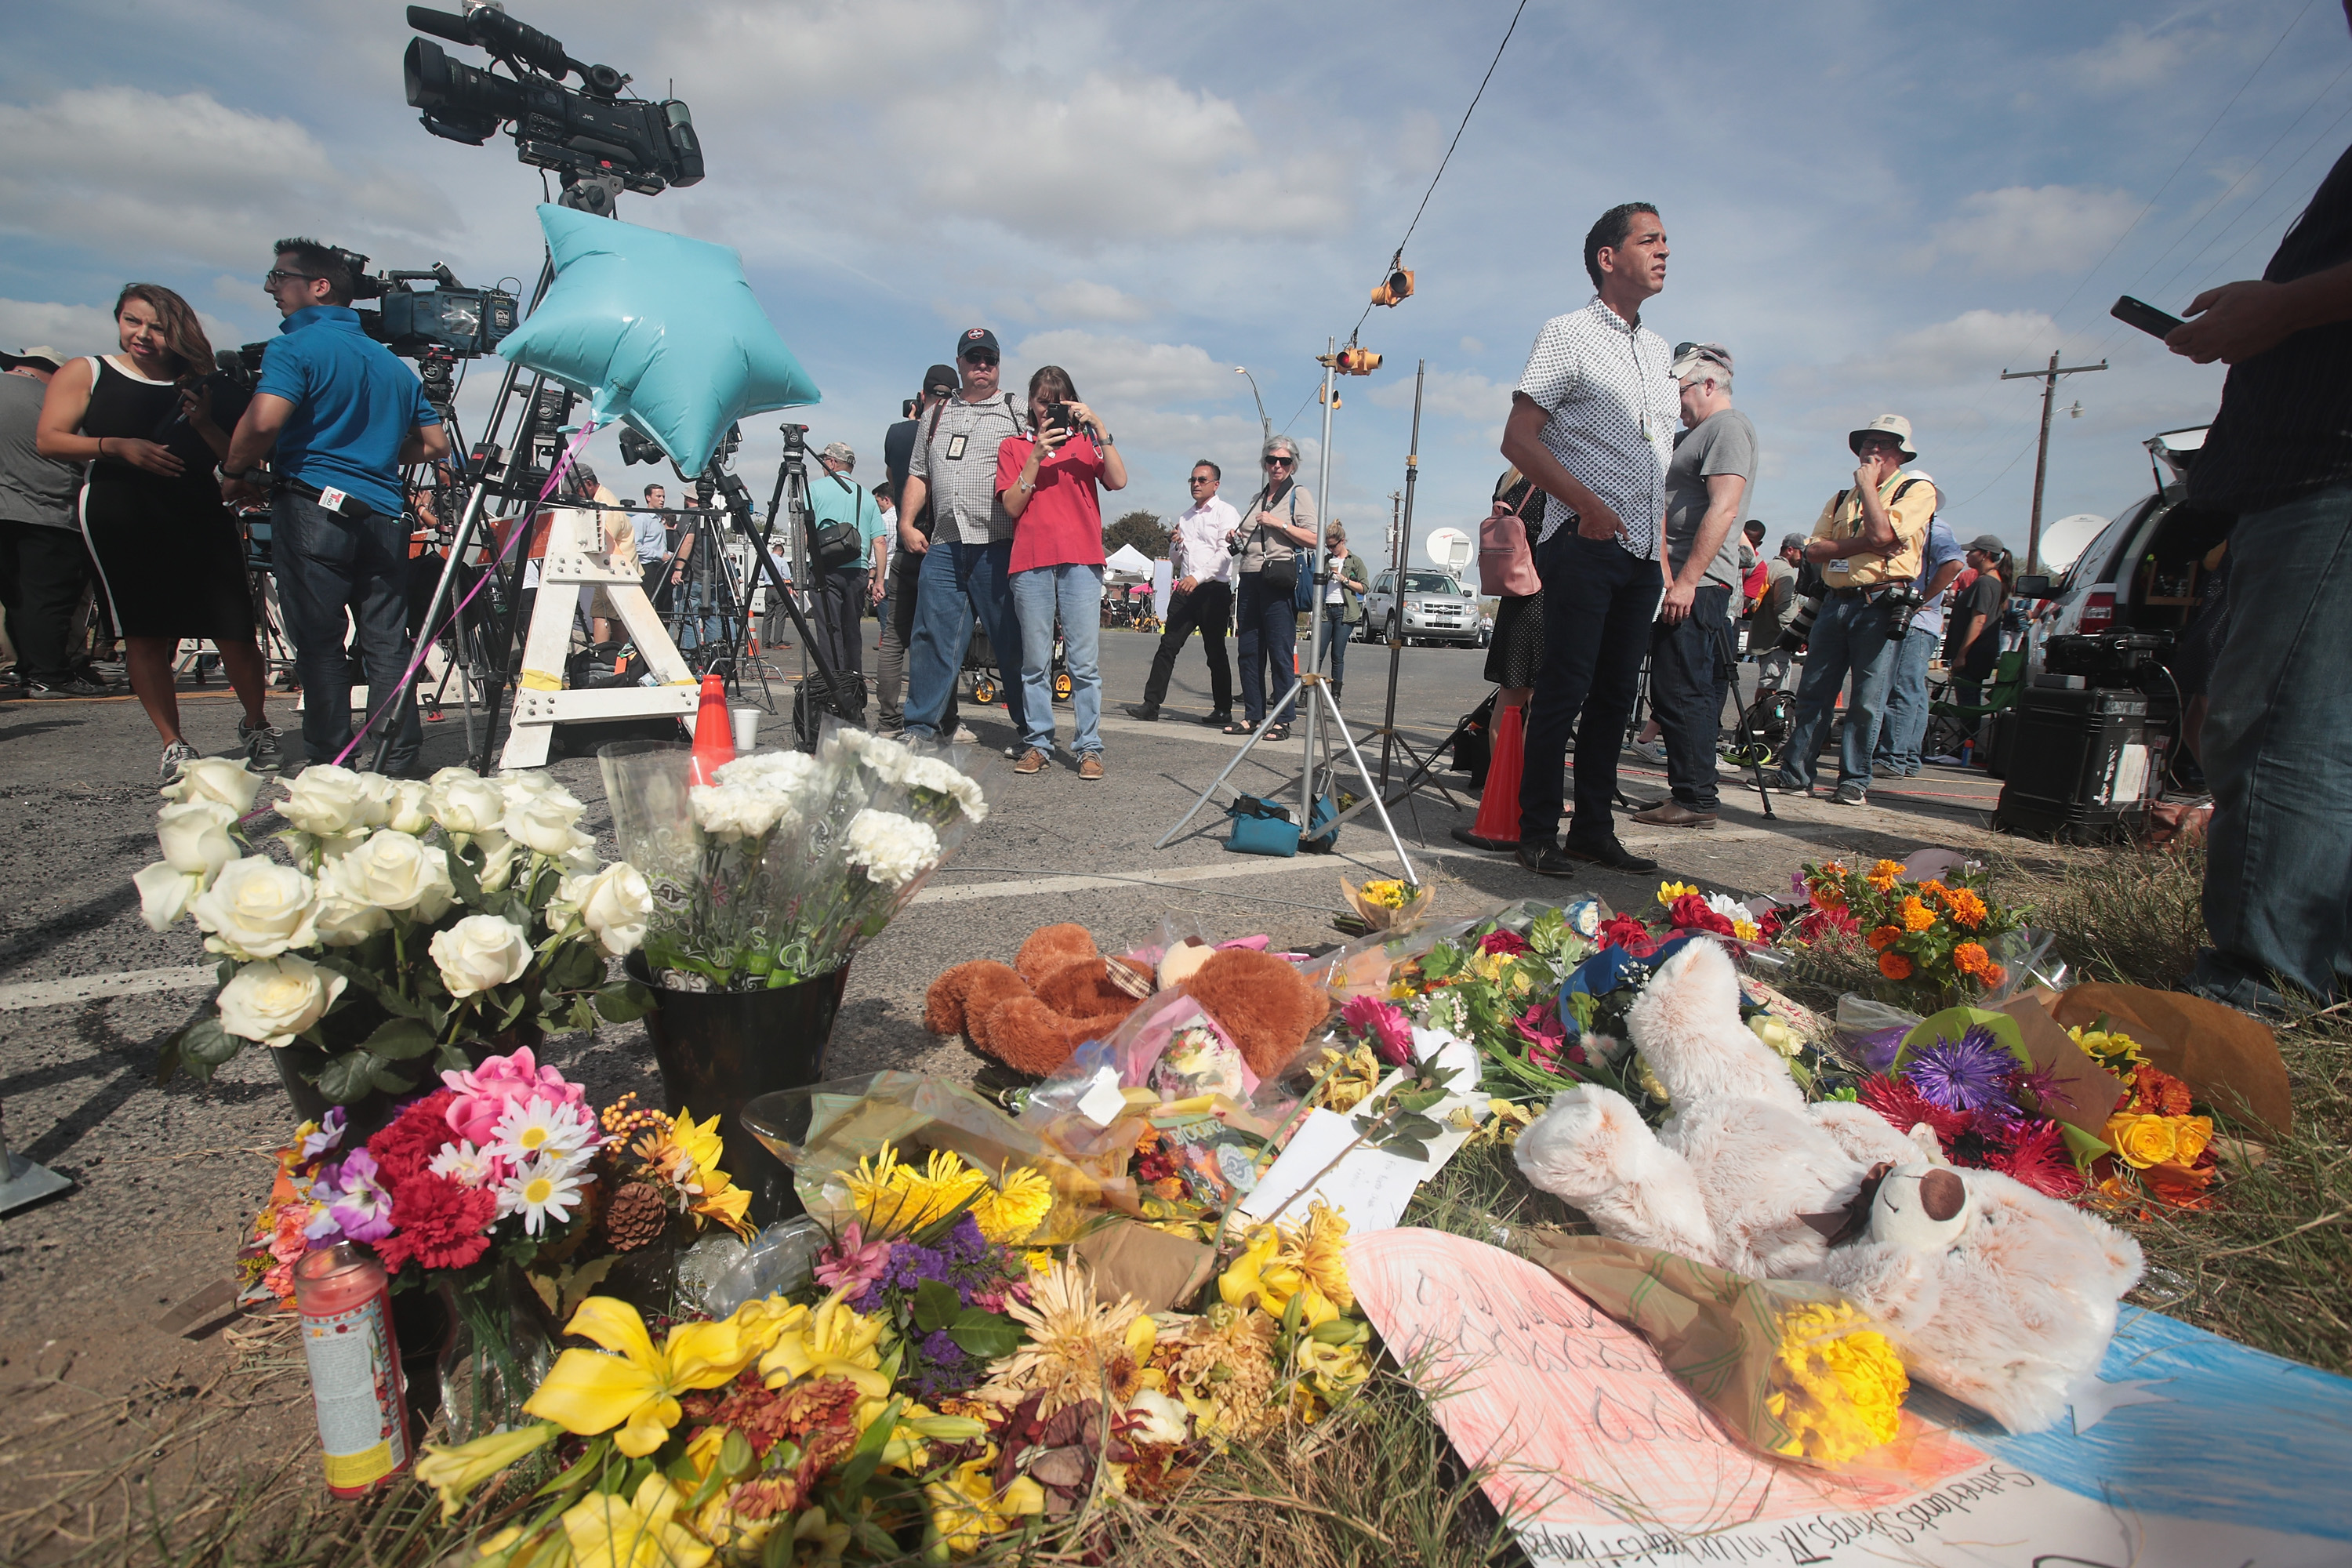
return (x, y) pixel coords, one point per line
(592, 132)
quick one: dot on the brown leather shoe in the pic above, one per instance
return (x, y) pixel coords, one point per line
(1033, 761)
(1674, 813)
(1091, 765)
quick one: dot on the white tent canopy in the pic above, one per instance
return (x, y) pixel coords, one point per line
(1129, 565)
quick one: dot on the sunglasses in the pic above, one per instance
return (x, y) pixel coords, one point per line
(983, 358)
(1278, 462)
(1204, 479)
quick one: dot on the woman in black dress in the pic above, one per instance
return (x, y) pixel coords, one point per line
(166, 548)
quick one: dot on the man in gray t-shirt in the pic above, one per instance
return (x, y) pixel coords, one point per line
(42, 564)
(966, 562)
(1690, 645)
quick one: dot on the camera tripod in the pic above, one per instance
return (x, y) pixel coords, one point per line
(1319, 704)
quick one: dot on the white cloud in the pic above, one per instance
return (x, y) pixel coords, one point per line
(1084, 300)
(2134, 59)
(1472, 346)
(1966, 348)
(1463, 394)
(81, 329)
(2021, 229)
(1128, 370)
(128, 172)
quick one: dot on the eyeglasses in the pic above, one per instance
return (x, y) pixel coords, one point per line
(1877, 444)
(276, 275)
(1204, 479)
(981, 358)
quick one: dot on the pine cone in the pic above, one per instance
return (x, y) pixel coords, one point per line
(637, 1216)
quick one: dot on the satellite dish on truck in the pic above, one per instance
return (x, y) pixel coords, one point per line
(1451, 549)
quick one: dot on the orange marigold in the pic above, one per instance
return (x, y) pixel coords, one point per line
(1915, 915)
(1993, 975)
(1970, 958)
(1883, 938)
(1884, 875)
(1966, 907)
(1895, 966)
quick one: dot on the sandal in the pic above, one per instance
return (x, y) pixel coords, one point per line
(1237, 728)
(1279, 732)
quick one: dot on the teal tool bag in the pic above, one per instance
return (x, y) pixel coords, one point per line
(1261, 827)
(1320, 838)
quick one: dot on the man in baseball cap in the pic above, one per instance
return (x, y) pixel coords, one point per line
(42, 562)
(1868, 543)
(899, 583)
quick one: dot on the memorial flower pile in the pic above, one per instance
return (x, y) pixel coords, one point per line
(783, 865)
(414, 916)
(1985, 1105)
(2155, 1147)
(1939, 941)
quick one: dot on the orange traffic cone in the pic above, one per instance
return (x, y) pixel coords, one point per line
(714, 732)
(1498, 826)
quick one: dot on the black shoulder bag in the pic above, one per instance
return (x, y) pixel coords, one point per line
(1279, 576)
(837, 546)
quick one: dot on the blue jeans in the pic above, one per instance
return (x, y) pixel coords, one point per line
(1268, 623)
(956, 582)
(328, 563)
(1687, 661)
(1336, 632)
(1905, 728)
(1597, 601)
(2277, 750)
(1075, 594)
(1849, 635)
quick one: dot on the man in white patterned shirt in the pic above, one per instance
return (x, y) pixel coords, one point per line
(1592, 423)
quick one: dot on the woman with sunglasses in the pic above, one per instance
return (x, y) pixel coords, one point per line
(1275, 543)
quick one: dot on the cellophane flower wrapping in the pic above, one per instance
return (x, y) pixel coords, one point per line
(785, 864)
(1786, 1367)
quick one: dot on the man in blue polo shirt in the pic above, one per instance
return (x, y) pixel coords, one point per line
(337, 415)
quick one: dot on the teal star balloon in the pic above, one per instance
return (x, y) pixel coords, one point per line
(657, 330)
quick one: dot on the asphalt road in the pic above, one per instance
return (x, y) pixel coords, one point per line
(165, 1177)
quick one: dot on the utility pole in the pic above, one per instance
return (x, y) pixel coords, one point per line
(2049, 380)
(1396, 501)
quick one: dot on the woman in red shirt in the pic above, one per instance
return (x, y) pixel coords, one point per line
(1049, 481)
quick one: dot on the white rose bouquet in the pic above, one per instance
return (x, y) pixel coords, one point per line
(780, 867)
(415, 918)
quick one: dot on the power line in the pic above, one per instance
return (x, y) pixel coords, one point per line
(2201, 142)
(1399, 254)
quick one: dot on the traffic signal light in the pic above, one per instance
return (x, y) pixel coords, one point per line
(1334, 395)
(1396, 289)
(1358, 362)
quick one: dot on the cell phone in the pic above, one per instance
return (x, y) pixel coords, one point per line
(2139, 313)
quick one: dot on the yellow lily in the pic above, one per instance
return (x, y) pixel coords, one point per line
(509, 1548)
(967, 1509)
(833, 1341)
(608, 1531)
(456, 1469)
(635, 1388)
(1262, 1271)
(1243, 1278)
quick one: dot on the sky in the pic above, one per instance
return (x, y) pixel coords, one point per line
(1877, 209)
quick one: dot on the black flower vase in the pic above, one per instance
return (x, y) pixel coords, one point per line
(719, 1050)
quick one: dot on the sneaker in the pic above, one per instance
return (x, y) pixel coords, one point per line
(1033, 761)
(72, 686)
(965, 735)
(1091, 765)
(1605, 851)
(1850, 794)
(1782, 784)
(175, 756)
(260, 743)
(1650, 750)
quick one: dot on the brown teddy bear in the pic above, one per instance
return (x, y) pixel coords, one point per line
(1060, 992)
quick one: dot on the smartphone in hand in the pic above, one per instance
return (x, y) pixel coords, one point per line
(2139, 313)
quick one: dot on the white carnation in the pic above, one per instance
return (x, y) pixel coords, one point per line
(325, 800)
(478, 953)
(938, 777)
(225, 779)
(893, 849)
(257, 909)
(276, 999)
(789, 771)
(195, 836)
(740, 809)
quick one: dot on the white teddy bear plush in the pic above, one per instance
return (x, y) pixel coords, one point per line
(1991, 1292)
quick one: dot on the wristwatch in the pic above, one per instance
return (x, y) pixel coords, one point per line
(246, 478)
(1108, 439)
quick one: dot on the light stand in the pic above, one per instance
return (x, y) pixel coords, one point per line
(1319, 699)
(1400, 546)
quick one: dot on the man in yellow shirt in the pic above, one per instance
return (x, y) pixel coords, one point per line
(1867, 544)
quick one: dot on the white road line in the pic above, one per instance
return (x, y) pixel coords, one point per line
(91, 988)
(1080, 882)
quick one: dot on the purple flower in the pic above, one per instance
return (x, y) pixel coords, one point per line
(1877, 1050)
(1971, 1073)
(327, 1137)
(357, 1206)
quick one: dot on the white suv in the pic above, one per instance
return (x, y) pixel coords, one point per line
(1435, 607)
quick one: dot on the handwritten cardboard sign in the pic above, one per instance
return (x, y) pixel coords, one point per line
(1598, 1454)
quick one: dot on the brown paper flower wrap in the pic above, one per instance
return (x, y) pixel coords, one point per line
(1384, 906)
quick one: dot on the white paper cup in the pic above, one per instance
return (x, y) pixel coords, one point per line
(747, 729)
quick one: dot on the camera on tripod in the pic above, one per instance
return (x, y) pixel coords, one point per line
(589, 131)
